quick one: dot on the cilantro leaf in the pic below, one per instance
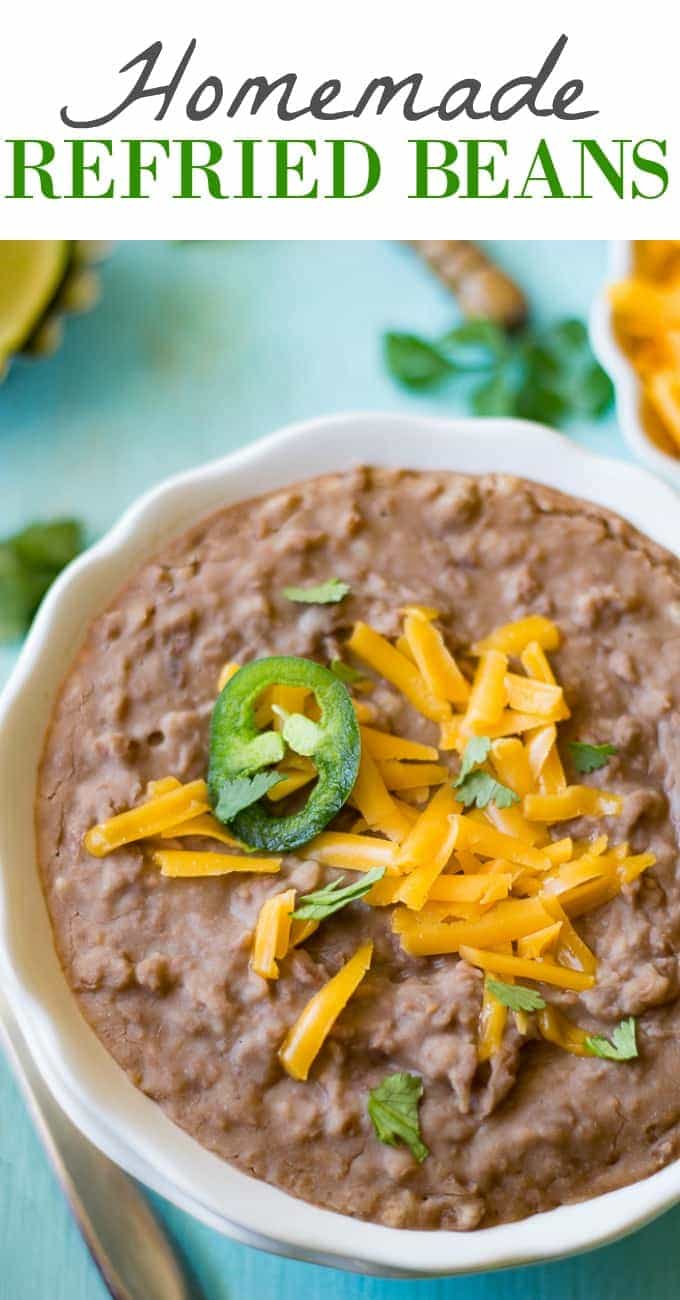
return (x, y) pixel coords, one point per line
(623, 1046)
(49, 545)
(595, 392)
(476, 752)
(393, 1110)
(548, 375)
(345, 672)
(324, 593)
(515, 996)
(324, 902)
(488, 339)
(29, 562)
(243, 791)
(589, 758)
(495, 396)
(480, 789)
(540, 401)
(415, 362)
(568, 335)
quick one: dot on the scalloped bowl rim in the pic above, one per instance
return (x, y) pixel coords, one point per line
(621, 372)
(95, 1093)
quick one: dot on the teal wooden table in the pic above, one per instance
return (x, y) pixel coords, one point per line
(194, 350)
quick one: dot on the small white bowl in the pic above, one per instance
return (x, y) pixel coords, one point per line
(620, 370)
(90, 1087)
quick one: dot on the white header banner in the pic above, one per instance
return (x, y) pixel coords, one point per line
(358, 120)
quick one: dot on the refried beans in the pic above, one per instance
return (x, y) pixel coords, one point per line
(160, 967)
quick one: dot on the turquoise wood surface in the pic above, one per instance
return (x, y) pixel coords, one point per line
(194, 350)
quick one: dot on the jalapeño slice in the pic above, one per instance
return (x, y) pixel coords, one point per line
(239, 749)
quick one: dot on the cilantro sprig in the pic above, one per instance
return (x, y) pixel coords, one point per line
(242, 791)
(623, 1045)
(515, 996)
(475, 788)
(29, 562)
(393, 1109)
(330, 592)
(548, 374)
(590, 758)
(329, 899)
(479, 789)
(476, 752)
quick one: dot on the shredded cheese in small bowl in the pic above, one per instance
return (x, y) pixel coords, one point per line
(635, 333)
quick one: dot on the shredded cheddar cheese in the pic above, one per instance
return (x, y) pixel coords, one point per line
(181, 862)
(451, 734)
(511, 822)
(559, 850)
(646, 311)
(436, 664)
(511, 764)
(272, 934)
(300, 931)
(538, 745)
(513, 638)
(573, 801)
(376, 651)
(571, 945)
(594, 848)
(632, 867)
(489, 694)
(556, 1028)
(536, 664)
(490, 843)
(425, 611)
(407, 810)
(526, 695)
(585, 898)
(294, 778)
(485, 882)
(163, 786)
(149, 818)
(511, 919)
(418, 794)
(304, 1040)
(365, 711)
(428, 848)
(381, 745)
(552, 779)
(540, 942)
(401, 775)
(575, 872)
(484, 889)
(205, 826)
(349, 852)
(289, 699)
(375, 803)
(545, 972)
(384, 892)
(512, 723)
(492, 1021)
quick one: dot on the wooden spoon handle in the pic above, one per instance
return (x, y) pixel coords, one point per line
(480, 286)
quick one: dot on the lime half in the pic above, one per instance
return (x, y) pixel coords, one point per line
(31, 271)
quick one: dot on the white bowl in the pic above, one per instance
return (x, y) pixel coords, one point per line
(620, 370)
(91, 1088)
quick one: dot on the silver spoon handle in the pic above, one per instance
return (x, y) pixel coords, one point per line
(132, 1252)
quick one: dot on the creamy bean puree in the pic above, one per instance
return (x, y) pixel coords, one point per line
(519, 1112)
